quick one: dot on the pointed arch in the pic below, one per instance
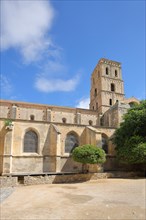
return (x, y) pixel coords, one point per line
(30, 142)
(71, 141)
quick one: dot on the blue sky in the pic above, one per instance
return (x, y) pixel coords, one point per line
(50, 48)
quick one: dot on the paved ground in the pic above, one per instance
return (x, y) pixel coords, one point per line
(122, 199)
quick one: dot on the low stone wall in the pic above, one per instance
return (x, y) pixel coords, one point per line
(64, 178)
(8, 181)
(71, 178)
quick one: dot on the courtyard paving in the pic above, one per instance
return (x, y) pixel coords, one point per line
(123, 199)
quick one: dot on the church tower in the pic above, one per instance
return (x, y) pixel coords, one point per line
(106, 85)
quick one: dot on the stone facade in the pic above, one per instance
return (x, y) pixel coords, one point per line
(39, 138)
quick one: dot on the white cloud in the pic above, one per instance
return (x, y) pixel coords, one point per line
(24, 25)
(52, 85)
(5, 85)
(84, 103)
(54, 67)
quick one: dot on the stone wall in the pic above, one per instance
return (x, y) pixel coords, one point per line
(66, 178)
(114, 116)
(8, 181)
(50, 155)
(46, 113)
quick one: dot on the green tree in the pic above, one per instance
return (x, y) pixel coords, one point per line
(130, 137)
(88, 154)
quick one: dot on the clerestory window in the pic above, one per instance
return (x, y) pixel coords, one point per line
(64, 120)
(32, 117)
(90, 122)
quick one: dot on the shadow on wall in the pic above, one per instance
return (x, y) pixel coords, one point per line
(49, 160)
(112, 164)
(67, 164)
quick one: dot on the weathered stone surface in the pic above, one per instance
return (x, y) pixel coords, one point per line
(66, 178)
(8, 181)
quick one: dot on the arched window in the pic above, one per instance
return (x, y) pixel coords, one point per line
(71, 142)
(105, 143)
(64, 120)
(30, 142)
(106, 70)
(116, 73)
(90, 122)
(95, 93)
(32, 117)
(112, 87)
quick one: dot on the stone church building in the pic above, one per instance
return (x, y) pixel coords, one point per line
(37, 138)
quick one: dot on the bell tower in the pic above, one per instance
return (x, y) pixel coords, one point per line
(107, 86)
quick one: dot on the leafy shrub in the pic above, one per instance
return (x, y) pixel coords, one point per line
(89, 154)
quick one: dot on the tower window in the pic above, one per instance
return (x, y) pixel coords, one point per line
(95, 93)
(110, 101)
(112, 87)
(116, 73)
(107, 71)
(98, 73)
